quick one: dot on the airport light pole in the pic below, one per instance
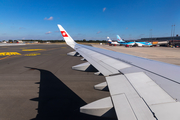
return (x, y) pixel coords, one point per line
(150, 34)
(174, 32)
(171, 31)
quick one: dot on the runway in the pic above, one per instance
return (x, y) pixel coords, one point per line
(38, 83)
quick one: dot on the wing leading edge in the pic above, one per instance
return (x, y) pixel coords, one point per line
(133, 82)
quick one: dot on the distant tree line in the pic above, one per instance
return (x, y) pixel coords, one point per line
(60, 41)
(91, 41)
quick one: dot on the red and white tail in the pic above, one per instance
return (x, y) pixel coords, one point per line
(67, 37)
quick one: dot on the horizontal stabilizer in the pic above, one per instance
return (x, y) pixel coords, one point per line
(87, 67)
(101, 108)
(102, 86)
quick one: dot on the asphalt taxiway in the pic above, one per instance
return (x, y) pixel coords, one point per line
(37, 83)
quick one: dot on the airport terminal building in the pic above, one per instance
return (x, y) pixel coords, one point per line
(165, 41)
(160, 39)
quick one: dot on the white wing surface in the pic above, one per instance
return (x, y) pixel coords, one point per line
(140, 89)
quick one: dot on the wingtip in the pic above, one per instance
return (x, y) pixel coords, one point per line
(60, 27)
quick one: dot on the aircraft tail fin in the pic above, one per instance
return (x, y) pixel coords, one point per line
(67, 37)
(119, 39)
(109, 40)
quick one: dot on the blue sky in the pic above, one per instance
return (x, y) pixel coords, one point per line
(88, 19)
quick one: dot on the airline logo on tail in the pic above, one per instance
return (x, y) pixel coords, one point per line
(64, 34)
(119, 39)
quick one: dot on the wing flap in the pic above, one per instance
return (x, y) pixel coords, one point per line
(148, 89)
(163, 106)
(106, 65)
(168, 111)
(123, 108)
(147, 100)
(119, 85)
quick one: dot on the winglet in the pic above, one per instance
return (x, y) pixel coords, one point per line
(67, 37)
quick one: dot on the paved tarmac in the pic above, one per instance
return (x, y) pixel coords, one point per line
(163, 54)
(37, 83)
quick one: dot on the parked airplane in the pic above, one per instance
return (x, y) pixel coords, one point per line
(122, 42)
(112, 42)
(143, 44)
(133, 43)
(140, 89)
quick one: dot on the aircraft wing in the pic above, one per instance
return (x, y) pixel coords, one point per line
(140, 89)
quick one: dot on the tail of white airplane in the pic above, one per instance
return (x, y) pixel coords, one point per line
(119, 39)
(109, 40)
(67, 37)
